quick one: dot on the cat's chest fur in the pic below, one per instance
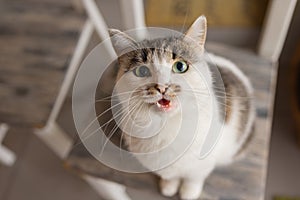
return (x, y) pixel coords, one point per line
(197, 125)
(190, 159)
(181, 165)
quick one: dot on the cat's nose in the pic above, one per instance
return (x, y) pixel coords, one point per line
(161, 88)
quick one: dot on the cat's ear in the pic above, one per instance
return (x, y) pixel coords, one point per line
(198, 30)
(121, 42)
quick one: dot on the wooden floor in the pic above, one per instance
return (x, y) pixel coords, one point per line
(36, 41)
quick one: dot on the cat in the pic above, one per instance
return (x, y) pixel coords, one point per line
(164, 79)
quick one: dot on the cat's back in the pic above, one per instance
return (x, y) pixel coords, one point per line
(238, 106)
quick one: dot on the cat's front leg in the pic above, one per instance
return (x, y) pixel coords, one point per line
(169, 187)
(191, 189)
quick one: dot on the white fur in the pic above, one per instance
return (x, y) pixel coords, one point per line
(230, 129)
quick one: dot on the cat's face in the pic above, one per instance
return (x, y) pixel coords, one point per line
(159, 77)
(160, 74)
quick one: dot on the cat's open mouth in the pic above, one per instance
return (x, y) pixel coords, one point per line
(164, 104)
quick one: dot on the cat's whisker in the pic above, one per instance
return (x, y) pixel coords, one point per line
(113, 130)
(219, 89)
(233, 97)
(223, 92)
(138, 111)
(197, 94)
(226, 95)
(120, 111)
(121, 139)
(185, 18)
(122, 133)
(105, 111)
(142, 107)
(218, 102)
(109, 98)
(196, 90)
(203, 110)
(116, 114)
(227, 106)
(111, 133)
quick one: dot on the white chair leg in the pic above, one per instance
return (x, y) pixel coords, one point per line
(77, 57)
(133, 16)
(7, 157)
(99, 24)
(132, 13)
(275, 29)
(107, 189)
(55, 138)
(52, 134)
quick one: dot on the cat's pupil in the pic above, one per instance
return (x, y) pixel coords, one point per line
(180, 66)
(144, 71)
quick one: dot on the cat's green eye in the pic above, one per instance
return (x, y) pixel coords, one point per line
(142, 71)
(180, 67)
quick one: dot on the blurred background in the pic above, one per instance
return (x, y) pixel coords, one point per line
(37, 41)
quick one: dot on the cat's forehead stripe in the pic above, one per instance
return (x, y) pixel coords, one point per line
(161, 49)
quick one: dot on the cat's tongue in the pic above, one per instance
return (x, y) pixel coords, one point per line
(164, 103)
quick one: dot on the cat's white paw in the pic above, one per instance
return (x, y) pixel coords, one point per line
(190, 190)
(169, 187)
